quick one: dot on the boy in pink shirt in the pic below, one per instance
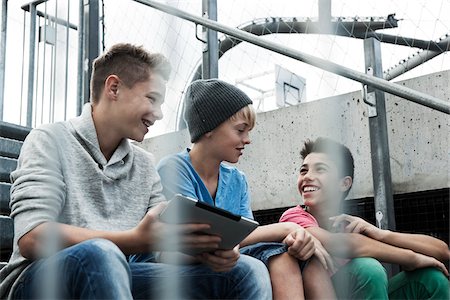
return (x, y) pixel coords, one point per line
(357, 247)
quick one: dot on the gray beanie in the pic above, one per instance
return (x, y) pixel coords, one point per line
(209, 103)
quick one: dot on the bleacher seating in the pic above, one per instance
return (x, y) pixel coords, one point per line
(11, 140)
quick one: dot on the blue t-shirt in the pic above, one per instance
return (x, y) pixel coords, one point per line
(178, 176)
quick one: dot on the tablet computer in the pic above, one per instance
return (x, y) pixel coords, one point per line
(230, 227)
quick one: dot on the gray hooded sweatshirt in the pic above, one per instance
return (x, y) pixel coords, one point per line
(62, 176)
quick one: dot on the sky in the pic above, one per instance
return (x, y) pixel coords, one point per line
(128, 21)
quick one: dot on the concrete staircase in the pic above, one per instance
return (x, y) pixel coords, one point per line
(11, 140)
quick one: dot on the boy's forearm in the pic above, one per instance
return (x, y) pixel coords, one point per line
(50, 237)
(352, 245)
(275, 232)
(123, 239)
(420, 243)
(386, 253)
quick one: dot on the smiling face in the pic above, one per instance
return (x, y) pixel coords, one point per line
(319, 182)
(138, 107)
(229, 139)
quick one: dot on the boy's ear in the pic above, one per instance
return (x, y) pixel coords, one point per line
(346, 183)
(112, 86)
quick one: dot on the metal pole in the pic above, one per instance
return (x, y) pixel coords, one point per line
(210, 56)
(3, 54)
(325, 13)
(409, 64)
(36, 90)
(379, 142)
(379, 145)
(52, 74)
(389, 87)
(23, 70)
(46, 24)
(80, 72)
(53, 19)
(53, 69)
(91, 43)
(404, 41)
(210, 63)
(31, 59)
(66, 78)
(288, 25)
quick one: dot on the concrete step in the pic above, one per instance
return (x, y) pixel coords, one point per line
(7, 165)
(13, 131)
(6, 237)
(4, 198)
(10, 148)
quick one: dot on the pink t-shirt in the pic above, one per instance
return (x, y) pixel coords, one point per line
(299, 216)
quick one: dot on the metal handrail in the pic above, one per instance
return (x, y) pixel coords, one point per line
(389, 87)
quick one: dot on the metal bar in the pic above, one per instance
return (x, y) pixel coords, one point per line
(23, 69)
(35, 105)
(66, 77)
(91, 44)
(405, 41)
(280, 25)
(51, 18)
(53, 66)
(102, 18)
(44, 46)
(272, 25)
(389, 87)
(379, 141)
(80, 77)
(210, 63)
(3, 54)
(52, 83)
(379, 145)
(288, 25)
(324, 12)
(31, 63)
(26, 7)
(57, 20)
(409, 64)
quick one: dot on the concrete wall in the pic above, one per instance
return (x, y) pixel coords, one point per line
(418, 141)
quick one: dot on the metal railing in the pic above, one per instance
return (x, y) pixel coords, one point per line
(41, 94)
(53, 57)
(384, 85)
(3, 28)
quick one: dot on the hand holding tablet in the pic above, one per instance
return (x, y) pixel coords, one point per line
(230, 227)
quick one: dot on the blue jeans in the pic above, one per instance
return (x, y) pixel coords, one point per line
(264, 251)
(97, 269)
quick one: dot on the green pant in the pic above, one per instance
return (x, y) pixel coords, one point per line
(366, 278)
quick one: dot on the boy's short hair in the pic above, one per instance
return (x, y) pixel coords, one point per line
(337, 152)
(132, 64)
(246, 113)
(211, 102)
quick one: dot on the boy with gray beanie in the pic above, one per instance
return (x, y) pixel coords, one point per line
(219, 118)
